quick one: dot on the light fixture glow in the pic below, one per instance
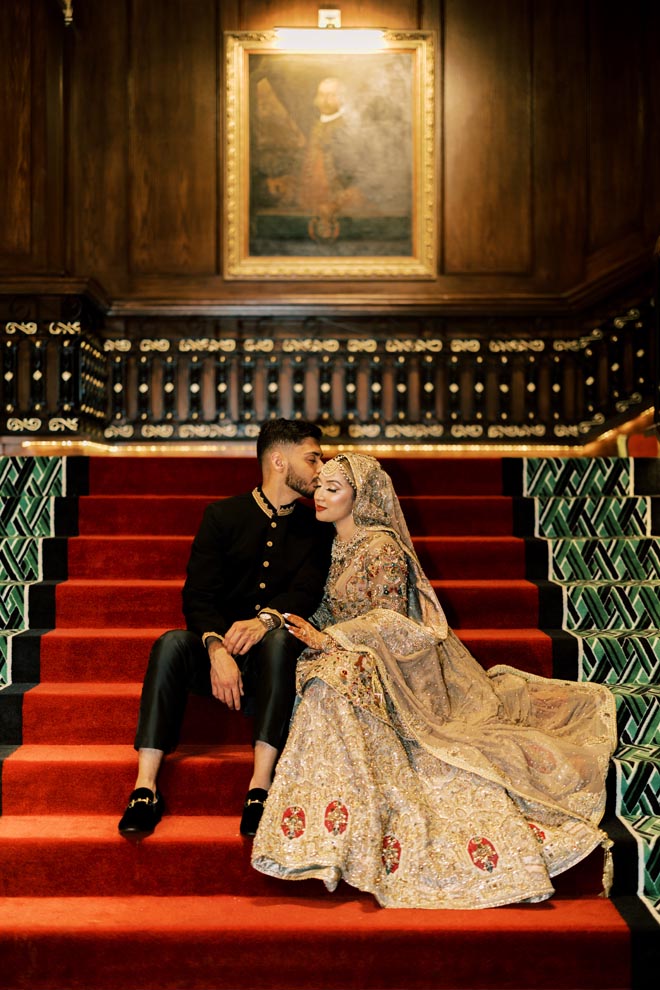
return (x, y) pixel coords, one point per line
(329, 18)
(352, 40)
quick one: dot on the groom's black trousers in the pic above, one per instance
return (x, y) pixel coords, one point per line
(179, 664)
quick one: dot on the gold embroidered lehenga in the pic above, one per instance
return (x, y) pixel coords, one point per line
(409, 771)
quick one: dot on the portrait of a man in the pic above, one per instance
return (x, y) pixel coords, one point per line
(331, 154)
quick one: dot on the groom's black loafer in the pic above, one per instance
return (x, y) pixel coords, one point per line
(143, 812)
(253, 809)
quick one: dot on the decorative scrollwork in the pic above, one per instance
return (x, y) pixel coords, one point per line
(369, 430)
(206, 344)
(467, 431)
(624, 404)
(60, 424)
(155, 431)
(356, 346)
(462, 346)
(588, 424)
(414, 346)
(620, 321)
(117, 345)
(123, 432)
(413, 431)
(309, 345)
(208, 431)
(161, 345)
(578, 343)
(253, 346)
(501, 431)
(16, 425)
(29, 329)
(60, 328)
(516, 346)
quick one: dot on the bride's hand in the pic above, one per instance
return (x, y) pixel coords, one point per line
(304, 631)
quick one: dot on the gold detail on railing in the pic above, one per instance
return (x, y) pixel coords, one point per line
(415, 346)
(355, 346)
(27, 328)
(160, 345)
(579, 343)
(620, 321)
(369, 430)
(467, 430)
(15, 425)
(624, 404)
(206, 344)
(123, 432)
(500, 431)
(460, 346)
(63, 328)
(153, 431)
(190, 431)
(516, 346)
(117, 345)
(412, 431)
(309, 345)
(252, 344)
(59, 423)
(330, 430)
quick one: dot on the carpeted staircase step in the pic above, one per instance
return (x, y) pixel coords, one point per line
(96, 779)
(135, 603)
(69, 855)
(180, 515)
(69, 712)
(339, 940)
(120, 653)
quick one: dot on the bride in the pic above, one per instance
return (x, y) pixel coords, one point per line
(409, 771)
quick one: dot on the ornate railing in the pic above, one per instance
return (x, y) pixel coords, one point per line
(363, 380)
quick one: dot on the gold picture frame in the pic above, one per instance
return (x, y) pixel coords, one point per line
(330, 164)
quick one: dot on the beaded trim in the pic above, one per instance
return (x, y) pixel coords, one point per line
(270, 510)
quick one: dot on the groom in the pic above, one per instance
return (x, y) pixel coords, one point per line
(254, 557)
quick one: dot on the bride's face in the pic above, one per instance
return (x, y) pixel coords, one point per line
(333, 497)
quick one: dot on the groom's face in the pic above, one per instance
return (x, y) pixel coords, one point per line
(304, 462)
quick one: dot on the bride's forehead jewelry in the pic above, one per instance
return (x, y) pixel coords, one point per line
(339, 465)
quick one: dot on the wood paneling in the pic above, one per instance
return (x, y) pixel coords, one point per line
(173, 120)
(548, 146)
(616, 131)
(487, 137)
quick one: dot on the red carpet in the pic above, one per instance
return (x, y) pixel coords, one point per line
(82, 908)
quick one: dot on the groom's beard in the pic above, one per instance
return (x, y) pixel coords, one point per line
(295, 482)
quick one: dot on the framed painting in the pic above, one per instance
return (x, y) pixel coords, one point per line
(330, 159)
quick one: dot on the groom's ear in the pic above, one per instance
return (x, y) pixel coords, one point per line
(278, 460)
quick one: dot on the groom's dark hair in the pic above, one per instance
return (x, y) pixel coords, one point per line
(282, 431)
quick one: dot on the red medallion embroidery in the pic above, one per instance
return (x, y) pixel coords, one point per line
(483, 853)
(293, 822)
(391, 854)
(336, 817)
(539, 834)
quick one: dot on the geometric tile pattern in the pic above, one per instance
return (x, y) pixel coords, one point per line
(21, 559)
(601, 607)
(611, 658)
(5, 659)
(617, 559)
(646, 830)
(26, 515)
(573, 477)
(14, 606)
(639, 770)
(593, 516)
(32, 476)
(637, 713)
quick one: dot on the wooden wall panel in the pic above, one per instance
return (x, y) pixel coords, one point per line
(616, 131)
(98, 176)
(304, 13)
(173, 106)
(16, 117)
(487, 136)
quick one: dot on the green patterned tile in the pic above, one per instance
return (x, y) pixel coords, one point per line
(24, 515)
(615, 559)
(638, 713)
(600, 607)
(639, 780)
(14, 606)
(593, 517)
(35, 476)
(5, 653)
(577, 476)
(618, 656)
(21, 559)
